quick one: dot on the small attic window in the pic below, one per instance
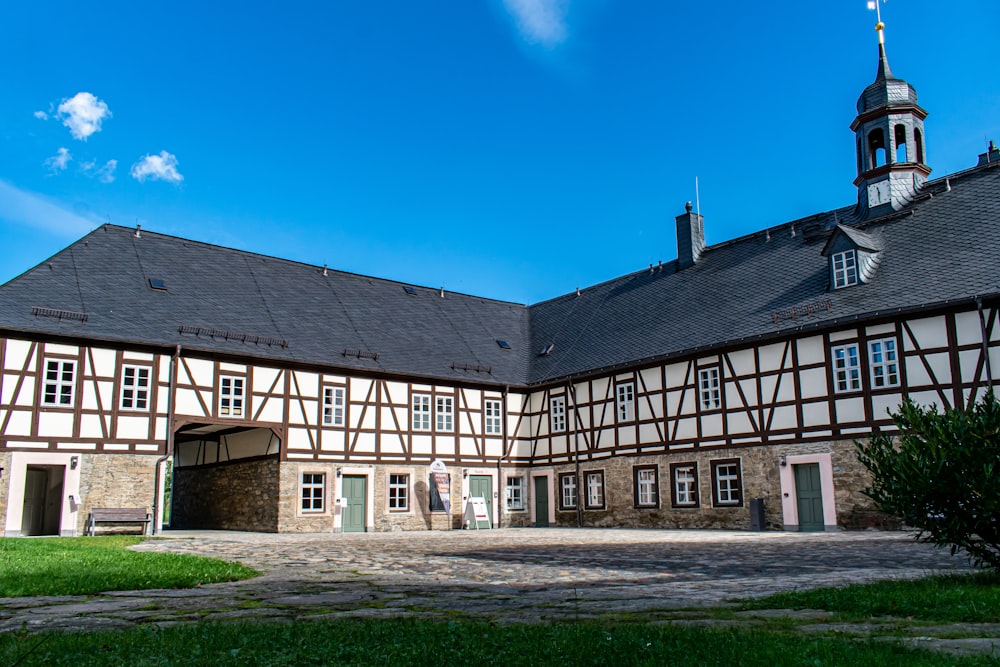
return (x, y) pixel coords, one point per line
(504, 345)
(409, 290)
(845, 268)
(158, 284)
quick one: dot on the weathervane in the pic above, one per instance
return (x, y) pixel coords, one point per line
(880, 27)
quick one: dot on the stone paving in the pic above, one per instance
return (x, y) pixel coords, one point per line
(509, 575)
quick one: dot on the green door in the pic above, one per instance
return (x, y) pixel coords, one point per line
(36, 483)
(481, 486)
(541, 502)
(353, 503)
(809, 497)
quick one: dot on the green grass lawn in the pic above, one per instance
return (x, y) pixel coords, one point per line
(958, 598)
(90, 565)
(424, 642)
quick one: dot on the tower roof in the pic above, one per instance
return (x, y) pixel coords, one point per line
(886, 90)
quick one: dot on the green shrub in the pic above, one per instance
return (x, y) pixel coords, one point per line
(941, 475)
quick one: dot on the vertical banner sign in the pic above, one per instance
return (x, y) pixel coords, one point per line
(440, 474)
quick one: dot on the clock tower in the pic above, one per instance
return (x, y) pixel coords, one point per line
(892, 157)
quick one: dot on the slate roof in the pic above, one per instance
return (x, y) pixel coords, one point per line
(858, 239)
(105, 275)
(940, 249)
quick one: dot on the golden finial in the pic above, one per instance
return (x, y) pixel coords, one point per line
(879, 26)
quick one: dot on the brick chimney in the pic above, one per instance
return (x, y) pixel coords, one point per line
(690, 237)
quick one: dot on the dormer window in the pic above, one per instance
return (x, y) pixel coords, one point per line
(854, 256)
(845, 268)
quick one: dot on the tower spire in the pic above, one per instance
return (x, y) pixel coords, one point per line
(892, 160)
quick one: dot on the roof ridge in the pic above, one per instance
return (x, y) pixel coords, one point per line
(306, 265)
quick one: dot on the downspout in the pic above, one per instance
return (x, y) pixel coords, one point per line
(986, 343)
(570, 389)
(502, 497)
(172, 384)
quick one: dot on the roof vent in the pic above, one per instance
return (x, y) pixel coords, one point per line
(547, 350)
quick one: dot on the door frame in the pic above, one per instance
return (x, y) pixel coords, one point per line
(69, 509)
(550, 487)
(789, 504)
(494, 502)
(338, 516)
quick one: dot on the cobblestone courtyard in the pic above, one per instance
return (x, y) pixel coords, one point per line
(506, 575)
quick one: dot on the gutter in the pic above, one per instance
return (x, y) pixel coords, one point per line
(168, 454)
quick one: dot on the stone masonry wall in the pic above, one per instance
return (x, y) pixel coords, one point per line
(238, 495)
(115, 480)
(760, 478)
(419, 516)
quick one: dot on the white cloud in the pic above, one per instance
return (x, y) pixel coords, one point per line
(41, 115)
(105, 174)
(59, 161)
(83, 114)
(29, 209)
(540, 21)
(162, 167)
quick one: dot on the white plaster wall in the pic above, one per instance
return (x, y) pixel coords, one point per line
(19, 462)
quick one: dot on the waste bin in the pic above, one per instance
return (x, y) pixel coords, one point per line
(756, 514)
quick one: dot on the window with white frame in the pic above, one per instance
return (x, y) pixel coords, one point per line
(421, 417)
(727, 483)
(60, 380)
(333, 406)
(594, 484)
(626, 401)
(135, 387)
(515, 493)
(567, 491)
(313, 491)
(647, 486)
(557, 414)
(708, 388)
(445, 413)
(494, 417)
(883, 361)
(231, 395)
(846, 368)
(399, 492)
(685, 484)
(845, 268)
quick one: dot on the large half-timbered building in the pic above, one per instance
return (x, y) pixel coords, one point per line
(288, 397)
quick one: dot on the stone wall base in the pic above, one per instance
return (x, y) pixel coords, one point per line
(237, 495)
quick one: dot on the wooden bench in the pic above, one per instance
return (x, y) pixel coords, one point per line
(117, 515)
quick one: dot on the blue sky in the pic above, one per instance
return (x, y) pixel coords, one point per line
(513, 149)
